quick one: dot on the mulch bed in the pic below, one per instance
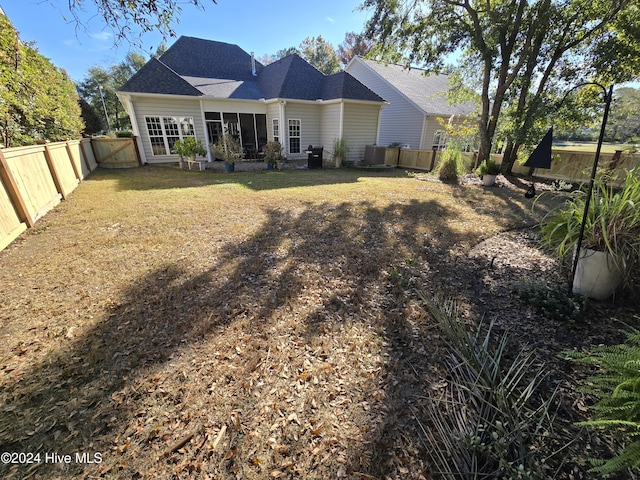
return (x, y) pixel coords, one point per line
(292, 348)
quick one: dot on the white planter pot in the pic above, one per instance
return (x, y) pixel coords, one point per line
(488, 180)
(597, 276)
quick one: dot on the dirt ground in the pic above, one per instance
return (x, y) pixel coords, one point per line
(266, 336)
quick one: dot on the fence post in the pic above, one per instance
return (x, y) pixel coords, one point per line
(54, 171)
(73, 163)
(14, 193)
(83, 154)
(434, 154)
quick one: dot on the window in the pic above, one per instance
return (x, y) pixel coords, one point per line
(276, 130)
(439, 140)
(164, 132)
(294, 136)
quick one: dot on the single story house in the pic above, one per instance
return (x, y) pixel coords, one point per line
(200, 87)
(418, 103)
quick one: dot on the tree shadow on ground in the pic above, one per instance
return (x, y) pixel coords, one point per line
(185, 350)
(322, 262)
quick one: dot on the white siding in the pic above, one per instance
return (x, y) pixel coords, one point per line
(232, 106)
(401, 120)
(310, 130)
(166, 107)
(331, 128)
(432, 125)
(359, 128)
(273, 111)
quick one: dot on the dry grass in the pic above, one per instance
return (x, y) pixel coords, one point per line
(256, 325)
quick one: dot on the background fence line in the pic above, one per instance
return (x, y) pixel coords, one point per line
(34, 179)
(569, 165)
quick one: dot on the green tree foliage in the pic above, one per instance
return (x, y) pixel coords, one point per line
(519, 55)
(354, 45)
(624, 119)
(37, 100)
(321, 54)
(92, 120)
(315, 50)
(111, 79)
(147, 15)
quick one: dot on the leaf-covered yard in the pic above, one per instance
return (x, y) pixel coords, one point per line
(174, 324)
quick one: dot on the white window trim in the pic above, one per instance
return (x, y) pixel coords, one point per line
(275, 124)
(179, 121)
(440, 135)
(293, 136)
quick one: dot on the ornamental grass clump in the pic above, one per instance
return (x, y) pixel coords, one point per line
(449, 168)
(491, 421)
(612, 223)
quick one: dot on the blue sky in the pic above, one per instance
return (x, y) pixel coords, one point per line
(260, 26)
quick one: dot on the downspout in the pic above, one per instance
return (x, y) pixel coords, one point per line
(424, 130)
(379, 124)
(206, 131)
(284, 131)
(341, 124)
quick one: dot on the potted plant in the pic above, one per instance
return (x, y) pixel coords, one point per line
(189, 148)
(273, 154)
(340, 150)
(488, 172)
(229, 150)
(610, 247)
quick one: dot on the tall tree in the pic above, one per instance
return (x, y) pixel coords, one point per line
(37, 100)
(520, 53)
(92, 120)
(321, 54)
(354, 45)
(111, 78)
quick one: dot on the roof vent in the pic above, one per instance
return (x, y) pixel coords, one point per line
(253, 65)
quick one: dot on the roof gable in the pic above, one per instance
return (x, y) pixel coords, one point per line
(196, 57)
(291, 77)
(197, 67)
(344, 85)
(427, 91)
(156, 77)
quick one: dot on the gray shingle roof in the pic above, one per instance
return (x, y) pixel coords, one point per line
(193, 66)
(343, 85)
(429, 92)
(291, 77)
(196, 57)
(156, 77)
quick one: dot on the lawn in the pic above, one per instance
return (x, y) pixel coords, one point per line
(175, 324)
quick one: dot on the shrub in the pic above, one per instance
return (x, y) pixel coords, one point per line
(553, 303)
(228, 149)
(449, 168)
(488, 167)
(124, 134)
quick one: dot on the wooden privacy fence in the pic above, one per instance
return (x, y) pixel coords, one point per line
(565, 164)
(116, 152)
(34, 179)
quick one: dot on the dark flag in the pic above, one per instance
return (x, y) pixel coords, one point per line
(541, 156)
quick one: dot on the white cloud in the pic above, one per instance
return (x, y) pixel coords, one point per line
(331, 20)
(101, 36)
